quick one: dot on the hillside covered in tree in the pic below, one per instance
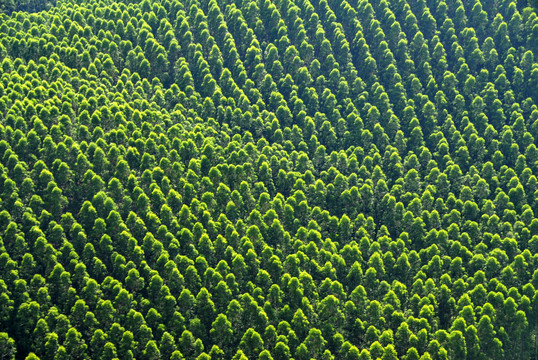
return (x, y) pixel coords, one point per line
(269, 179)
(8, 6)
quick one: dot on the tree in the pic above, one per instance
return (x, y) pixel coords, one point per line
(251, 343)
(315, 343)
(7, 347)
(300, 323)
(109, 351)
(389, 353)
(74, 344)
(491, 346)
(151, 351)
(221, 331)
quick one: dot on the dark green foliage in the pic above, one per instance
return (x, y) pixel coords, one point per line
(348, 179)
(8, 6)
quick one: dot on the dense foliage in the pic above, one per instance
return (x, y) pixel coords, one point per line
(8, 6)
(267, 179)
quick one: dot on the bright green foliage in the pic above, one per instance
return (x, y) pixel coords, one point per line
(350, 179)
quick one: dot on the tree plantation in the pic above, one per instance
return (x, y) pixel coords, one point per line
(268, 179)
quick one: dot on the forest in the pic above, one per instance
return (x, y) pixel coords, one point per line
(8, 6)
(268, 179)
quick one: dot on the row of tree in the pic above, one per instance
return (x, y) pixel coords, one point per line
(9, 6)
